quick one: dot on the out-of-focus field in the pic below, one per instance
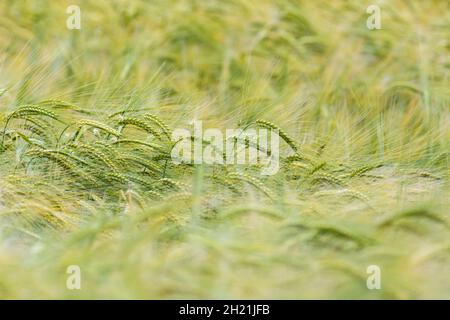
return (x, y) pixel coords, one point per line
(86, 116)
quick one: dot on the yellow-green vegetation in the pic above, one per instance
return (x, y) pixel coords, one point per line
(86, 176)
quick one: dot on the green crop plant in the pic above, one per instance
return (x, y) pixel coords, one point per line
(88, 178)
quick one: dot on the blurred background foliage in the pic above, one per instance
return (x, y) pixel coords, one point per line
(350, 96)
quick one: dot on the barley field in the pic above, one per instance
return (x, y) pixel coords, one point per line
(88, 186)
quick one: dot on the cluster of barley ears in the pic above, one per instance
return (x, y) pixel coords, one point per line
(86, 171)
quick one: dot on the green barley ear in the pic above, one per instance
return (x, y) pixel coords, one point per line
(62, 160)
(139, 124)
(100, 126)
(281, 132)
(251, 180)
(154, 194)
(362, 170)
(323, 176)
(357, 194)
(106, 148)
(56, 103)
(96, 153)
(223, 180)
(419, 212)
(151, 145)
(37, 130)
(32, 110)
(141, 161)
(300, 165)
(299, 158)
(335, 229)
(27, 139)
(26, 111)
(117, 177)
(172, 183)
(161, 124)
(68, 155)
(44, 125)
(60, 104)
(140, 181)
(40, 123)
(179, 196)
(345, 192)
(318, 167)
